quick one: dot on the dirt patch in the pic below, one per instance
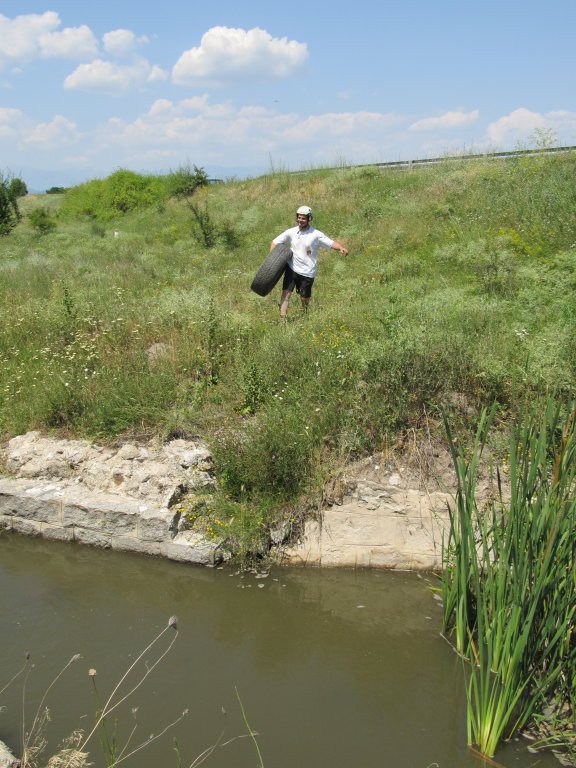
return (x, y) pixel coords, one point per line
(423, 464)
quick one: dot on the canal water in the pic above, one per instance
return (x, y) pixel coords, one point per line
(332, 668)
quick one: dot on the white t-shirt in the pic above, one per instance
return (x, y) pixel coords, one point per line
(304, 244)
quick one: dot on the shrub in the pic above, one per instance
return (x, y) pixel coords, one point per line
(183, 182)
(42, 221)
(120, 193)
(126, 190)
(18, 188)
(264, 461)
(9, 211)
(205, 225)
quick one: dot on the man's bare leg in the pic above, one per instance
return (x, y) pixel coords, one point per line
(284, 301)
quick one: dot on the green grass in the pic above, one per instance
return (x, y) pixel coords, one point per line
(459, 288)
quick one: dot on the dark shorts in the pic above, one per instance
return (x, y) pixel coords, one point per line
(293, 280)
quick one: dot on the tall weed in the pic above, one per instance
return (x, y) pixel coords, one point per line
(76, 750)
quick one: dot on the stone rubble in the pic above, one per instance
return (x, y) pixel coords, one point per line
(119, 498)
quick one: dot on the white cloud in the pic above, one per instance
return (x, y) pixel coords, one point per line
(157, 74)
(341, 124)
(122, 42)
(522, 125)
(53, 135)
(31, 36)
(448, 120)
(221, 133)
(19, 36)
(11, 122)
(71, 43)
(564, 123)
(161, 107)
(164, 109)
(196, 103)
(106, 76)
(9, 116)
(514, 127)
(226, 55)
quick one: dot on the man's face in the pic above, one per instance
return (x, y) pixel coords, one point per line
(302, 220)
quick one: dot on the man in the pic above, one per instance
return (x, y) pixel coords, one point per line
(300, 270)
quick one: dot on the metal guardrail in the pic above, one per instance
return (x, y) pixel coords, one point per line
(479, 156)
(393, 164)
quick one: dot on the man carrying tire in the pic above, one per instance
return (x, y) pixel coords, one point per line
(304, 241)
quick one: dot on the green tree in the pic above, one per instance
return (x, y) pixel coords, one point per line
(18, 188)
(183, 182)
(9, 211)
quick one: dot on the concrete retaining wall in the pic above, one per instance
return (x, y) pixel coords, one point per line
(55, 511)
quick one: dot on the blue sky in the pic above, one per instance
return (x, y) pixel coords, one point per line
(239, 88)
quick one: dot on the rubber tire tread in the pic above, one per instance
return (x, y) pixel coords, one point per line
(271, 269)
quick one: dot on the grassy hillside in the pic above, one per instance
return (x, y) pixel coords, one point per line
(458, 291)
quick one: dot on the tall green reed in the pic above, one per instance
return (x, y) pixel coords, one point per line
(509, 584)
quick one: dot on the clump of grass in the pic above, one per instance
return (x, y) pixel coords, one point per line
(42, 221)
(509, 586)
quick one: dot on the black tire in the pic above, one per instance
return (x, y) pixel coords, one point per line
(271, 269)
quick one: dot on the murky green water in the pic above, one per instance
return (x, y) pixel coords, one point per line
(334, 668)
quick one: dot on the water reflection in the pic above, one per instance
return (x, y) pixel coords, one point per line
(334, 668)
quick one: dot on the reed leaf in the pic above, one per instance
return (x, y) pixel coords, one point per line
(509, 577)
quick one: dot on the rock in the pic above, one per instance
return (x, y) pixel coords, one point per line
(384, 518)
(7, 759)
(362, 536)
(121, 498)
(147, 472)
(280, 534)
